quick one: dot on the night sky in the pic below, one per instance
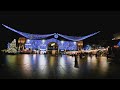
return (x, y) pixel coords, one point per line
(78, 23)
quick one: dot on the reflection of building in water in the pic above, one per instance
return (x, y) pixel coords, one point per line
(103, 65)
(52, 60)
(62, 61)
(26, 65)
(11, 61)
(42, 60)
(52, 43)
(99, 64)
(92, 62)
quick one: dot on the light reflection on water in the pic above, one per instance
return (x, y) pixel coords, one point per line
(52, 61)
(11, 61)
(103, 65)
(92, 62)
(42, 60)
(46, 65)
(27, 65)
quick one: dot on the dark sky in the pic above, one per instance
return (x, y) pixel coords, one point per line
(77, 23)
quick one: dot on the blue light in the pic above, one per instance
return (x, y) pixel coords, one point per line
(56, 35)
(38, 36)
(73, 38)
(43, 41)
(28, 40)
(38, 44)
(119, 44)
(28, 35)
(8, 45)
(75, 43)
(87, 47)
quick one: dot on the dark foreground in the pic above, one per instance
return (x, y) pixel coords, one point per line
(35, 66)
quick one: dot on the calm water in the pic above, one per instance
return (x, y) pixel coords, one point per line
(35, 66)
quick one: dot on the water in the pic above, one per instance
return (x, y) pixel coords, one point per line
(35, 66)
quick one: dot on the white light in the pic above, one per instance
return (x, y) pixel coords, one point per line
(43, 49)
(34, 56)
(26, 65)
(27, 44)
(28, 40)
(43, 41)
(42, 60)
(52, 44)
(62, 42)
(74, 42)
(14, 40)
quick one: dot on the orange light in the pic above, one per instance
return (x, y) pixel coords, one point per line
(116, 46)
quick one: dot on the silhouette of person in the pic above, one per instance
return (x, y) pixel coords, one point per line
(76, 62)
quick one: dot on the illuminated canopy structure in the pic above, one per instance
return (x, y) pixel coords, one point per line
(37, 41)
(117, 38)
(119, 43)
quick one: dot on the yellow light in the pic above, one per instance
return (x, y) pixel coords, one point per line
(26, 65)
(103, 65)
(11, 61)
(116, 46)
(52, 44)
(52, 60)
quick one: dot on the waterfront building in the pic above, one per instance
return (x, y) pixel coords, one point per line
(54, 43)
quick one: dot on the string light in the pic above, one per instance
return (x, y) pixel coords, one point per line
(35, 44)
(37, 36)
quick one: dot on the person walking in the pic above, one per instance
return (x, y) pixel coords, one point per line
(76, 62)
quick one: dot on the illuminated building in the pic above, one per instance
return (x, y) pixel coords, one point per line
(12, 47)
(118, 44)
(50, 41)
(117, 39)
(21, 43)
